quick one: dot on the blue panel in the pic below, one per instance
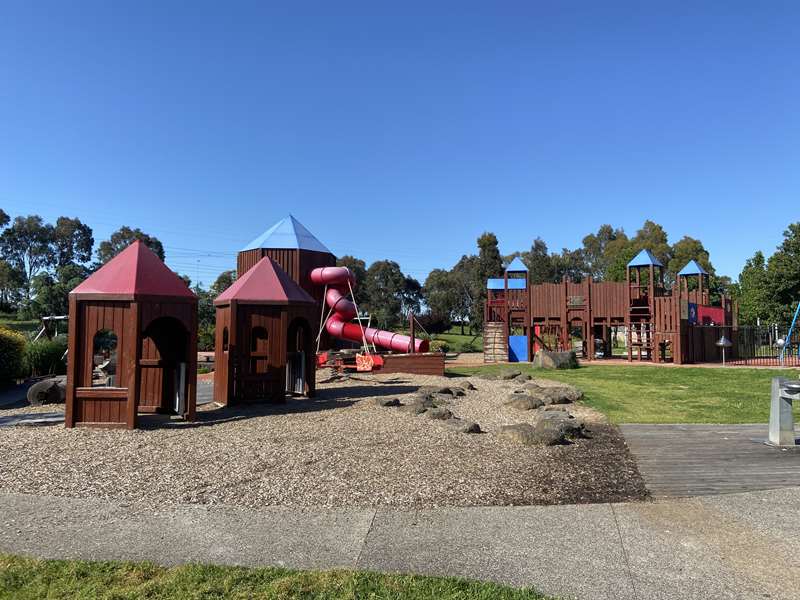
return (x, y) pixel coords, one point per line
(517, 348)
(692, 313)
(500, 284)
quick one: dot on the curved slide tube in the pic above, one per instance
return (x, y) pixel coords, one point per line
(337, 278)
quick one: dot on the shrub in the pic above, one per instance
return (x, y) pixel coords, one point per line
(43, 357)
(12, 351)
(439, 346)
(434, 323)
(468, 347)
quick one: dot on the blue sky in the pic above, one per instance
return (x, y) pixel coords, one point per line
(403, 131)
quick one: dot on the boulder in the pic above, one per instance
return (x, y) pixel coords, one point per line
(444, 390)
(524, 402)
(387, 401)
(511, 374)
(530, 435)
(546, 359)
(463, 425)
(524, 377)
(467, 385)
(559, 394)
(567, 428)
(413, 408)
(458, 392)
(47, 391)
(440, 414)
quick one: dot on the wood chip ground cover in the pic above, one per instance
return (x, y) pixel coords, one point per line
(339, 449)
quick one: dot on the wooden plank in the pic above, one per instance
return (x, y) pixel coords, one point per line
(686, 460)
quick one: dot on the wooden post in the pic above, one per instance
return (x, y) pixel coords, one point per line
(191, 370)
(74, 351)
(134, 337)
(234, 360)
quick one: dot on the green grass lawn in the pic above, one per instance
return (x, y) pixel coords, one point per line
(28, 579)
(456, 341)
(649, 394)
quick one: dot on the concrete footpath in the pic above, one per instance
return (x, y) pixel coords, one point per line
(732, 546)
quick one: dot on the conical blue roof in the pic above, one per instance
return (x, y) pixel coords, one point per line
(287, 233)
(516, 266)
(645, 258)
(693, 268)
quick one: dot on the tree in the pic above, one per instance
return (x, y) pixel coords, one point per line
(384, 286)
(359, 270)
(411, 296)
(469, 286)
(489, 264)
(51, 290)
(124, 237)
(72, 241)
(653, 237)
(539, 263)
(28, 247)
(783, 275)
(223, 282)
(4, 218)
(619, 253)
(441, 293)
(595, 250)
(569, 264)
(11, 282)
(686, 249)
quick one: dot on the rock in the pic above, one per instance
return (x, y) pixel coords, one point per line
(509, 375)
(545, 359)
(426, 400)
(414, 409)
(463, 425)
(458, 392)
(524, 377)
(567, 428)
(558, 394)
(440, 414)
(444, 390)
(387, 401)
(524, 402)
(488, 376)
(467, 385)
(47, 391)
(559, 407)
(530, 435)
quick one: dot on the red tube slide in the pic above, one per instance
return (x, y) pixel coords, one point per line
(337, 278)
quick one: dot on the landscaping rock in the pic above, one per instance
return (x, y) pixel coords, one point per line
(444, 390)
(530, 435)
(467, 385)
(414, 408)
(387, 402)
(524, 377)
(458, 392)
(558, 407)
(440, 414)
(545, 359)
(47, 391)
(524, 402)
(463, 425)
(561, 394)
(509, 375)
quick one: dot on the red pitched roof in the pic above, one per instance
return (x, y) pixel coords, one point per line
(136, 271)
(265, 283)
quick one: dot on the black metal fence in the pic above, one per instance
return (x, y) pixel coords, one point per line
(751, 345)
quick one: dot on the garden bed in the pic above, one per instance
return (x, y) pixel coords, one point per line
(339, 449)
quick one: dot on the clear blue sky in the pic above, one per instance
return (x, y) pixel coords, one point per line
(403, 132)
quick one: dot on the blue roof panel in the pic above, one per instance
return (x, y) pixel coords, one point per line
(500, 284)
(288, 233)
(693, 268)
(516, 266)
(645, 258)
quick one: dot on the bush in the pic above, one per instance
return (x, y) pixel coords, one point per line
(439, 346)
(12, 352)
(434, 323)
(43, 357)
(468, 347)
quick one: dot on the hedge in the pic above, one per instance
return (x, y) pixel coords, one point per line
(43, 357)
(12, 351)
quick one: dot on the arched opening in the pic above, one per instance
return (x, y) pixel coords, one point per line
(104, 359)
(165, 359)
(298, 347)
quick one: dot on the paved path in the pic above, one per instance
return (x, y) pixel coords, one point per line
(738, 546)
(695, 460)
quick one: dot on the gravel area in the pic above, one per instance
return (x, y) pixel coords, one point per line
(338, 449)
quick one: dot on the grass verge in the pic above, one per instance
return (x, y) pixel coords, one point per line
(26, 578)
(649, 394)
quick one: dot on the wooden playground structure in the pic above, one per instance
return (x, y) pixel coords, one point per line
(659, 323)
